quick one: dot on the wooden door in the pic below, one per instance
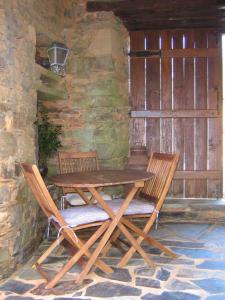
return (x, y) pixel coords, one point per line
(176, 104)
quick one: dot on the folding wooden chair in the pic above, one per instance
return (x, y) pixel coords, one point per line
(70, 162)
(67, 222)
(148, 204)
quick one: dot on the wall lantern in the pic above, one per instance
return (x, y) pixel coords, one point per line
(58, 53)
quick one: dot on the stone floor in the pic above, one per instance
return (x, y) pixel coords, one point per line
(198, 273)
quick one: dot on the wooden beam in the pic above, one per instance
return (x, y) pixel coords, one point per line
(198, 175)
(210, 113)
(148, 4)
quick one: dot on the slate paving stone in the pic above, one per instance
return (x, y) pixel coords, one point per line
(214, 237)
(29, 274)
(71, 298)
(199, 274)
(145, 271)
(212, 265)
(197, 253)
(190, 232)
(150, 250)
(178, 261)
(211, 285)
(140, 281)
(207, 277)
(163, 274)
(216, 297)
(110, 289)
(55, 259)
(180, 285)
(77, 294)
(114, 252)
(63, 287)
(18, 298)
(183, 244)
(16, 286)
(118, 274)
(171, 296)
(75, 269)
(132, 262)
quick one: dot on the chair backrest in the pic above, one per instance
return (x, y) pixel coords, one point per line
(70, 162)
(41, 192)
(45, 200)
(164, 166)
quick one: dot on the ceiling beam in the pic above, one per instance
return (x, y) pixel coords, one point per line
(148, 4)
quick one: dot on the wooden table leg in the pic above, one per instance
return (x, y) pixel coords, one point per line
(115, 220)
(114, 223)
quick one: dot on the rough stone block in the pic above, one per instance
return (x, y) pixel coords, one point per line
(8, 144)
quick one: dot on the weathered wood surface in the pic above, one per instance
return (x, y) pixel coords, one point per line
(200, 113)
(183, 106)
(68, 234)
(100, 178)
(150, 14)
(137, 79)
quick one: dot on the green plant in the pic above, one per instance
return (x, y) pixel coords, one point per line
(48, 135)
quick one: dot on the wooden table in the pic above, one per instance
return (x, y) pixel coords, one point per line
(93, 181)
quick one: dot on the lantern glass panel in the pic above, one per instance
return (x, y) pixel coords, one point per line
(58, 53)
(61, 55)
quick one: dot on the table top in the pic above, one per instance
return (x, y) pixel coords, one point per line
(100, 178)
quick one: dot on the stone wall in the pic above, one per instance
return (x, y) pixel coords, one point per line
(94, 115)
(19, 214)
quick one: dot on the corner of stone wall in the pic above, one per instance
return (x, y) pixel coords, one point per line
(96, 111)
(18, 211)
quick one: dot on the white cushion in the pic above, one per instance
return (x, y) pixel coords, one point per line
(135, 207)
(83, 214)
(75, 199)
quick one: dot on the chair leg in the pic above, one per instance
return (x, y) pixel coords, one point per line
(124, 260)
(113, 238)
(42, 272)
(151, 241)
(118, 244)
(49, 251)
(77, 256)
(99, 263)
(136, 246)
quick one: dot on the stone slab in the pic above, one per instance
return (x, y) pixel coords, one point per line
(118, 274)
(211, 285)
(16, 286)
(212, 265)
(171, 296)
(147, 282)
(110, 289)
(163, 274)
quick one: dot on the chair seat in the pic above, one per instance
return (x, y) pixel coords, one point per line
(135, 207)
(83, 214)
(74, 199)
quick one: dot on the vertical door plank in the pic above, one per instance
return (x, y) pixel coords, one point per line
(152, 92)
(137, 88)
(201, 123)
(178, 103)
(214, 124)
(166, 94)
(189, 103)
